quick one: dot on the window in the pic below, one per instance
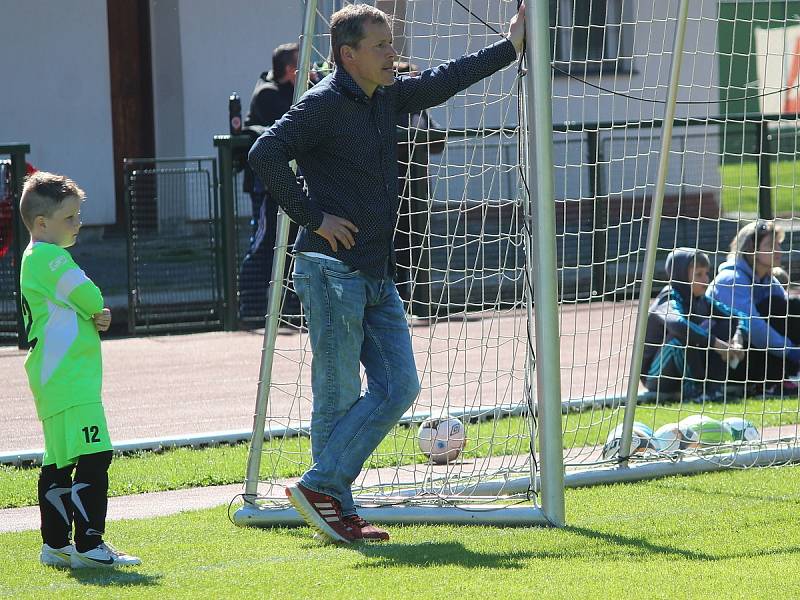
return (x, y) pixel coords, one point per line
(588, 36)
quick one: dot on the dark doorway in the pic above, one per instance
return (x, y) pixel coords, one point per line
(131, 88)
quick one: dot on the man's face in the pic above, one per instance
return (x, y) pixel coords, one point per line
(371, 63)
(769, 253)
(699, 281)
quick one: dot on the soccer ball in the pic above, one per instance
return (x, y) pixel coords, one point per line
(669, 438)
(741, 429)
(641, 440)
(441, 440)
(700, 430)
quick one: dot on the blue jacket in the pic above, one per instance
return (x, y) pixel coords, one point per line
(736, 286)
(346, 146)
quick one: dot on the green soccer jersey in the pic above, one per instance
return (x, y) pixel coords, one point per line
(64, 364)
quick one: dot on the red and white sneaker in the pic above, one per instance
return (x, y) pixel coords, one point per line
(322, 512)
(365, 530)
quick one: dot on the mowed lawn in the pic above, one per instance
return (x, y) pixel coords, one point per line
(184, 468)
(740, 187)
(722, 535)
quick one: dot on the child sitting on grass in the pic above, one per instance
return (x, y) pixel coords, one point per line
(691, 340)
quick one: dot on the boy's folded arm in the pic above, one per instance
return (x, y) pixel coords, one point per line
(63, 280)
(86, 299)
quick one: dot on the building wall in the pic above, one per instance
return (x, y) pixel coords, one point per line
(55, 57)
(223, 47)
(203, 50)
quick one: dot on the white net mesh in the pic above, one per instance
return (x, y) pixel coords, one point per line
(460, 270)
(461, 244)
(728, 165)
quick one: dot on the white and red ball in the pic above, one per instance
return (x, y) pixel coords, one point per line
(442, 440)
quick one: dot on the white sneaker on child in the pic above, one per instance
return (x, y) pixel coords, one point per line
(56, 557)
(105, 556)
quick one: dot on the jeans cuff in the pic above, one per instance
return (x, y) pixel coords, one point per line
(319, 488)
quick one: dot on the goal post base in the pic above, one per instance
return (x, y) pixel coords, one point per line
(250, 515)
(686, 466)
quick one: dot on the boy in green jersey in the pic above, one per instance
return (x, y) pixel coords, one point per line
(63, 311)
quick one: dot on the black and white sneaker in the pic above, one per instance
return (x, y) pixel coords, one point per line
(105, 556)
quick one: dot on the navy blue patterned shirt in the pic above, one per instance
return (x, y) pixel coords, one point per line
(345, 144)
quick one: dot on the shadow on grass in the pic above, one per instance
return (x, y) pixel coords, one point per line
(428, 554)
(112, 577)
(649, 549)
(686, 485)
(432, 554)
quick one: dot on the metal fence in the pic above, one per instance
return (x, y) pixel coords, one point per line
(174, 260)
(189, 221)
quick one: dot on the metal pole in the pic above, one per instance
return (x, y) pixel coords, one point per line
(653, 232)
(276, 285)
(228, 215)
(542, 227)
(763, 157)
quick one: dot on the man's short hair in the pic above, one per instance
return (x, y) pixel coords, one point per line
(749, 237)
(43, 193)
(347, 26)
(284, 56)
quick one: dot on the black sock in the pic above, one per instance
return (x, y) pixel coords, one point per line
(90, 499)
(55, 505)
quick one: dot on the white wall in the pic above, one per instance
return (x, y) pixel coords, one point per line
(55, 58)
(203, 50)
(224, 47)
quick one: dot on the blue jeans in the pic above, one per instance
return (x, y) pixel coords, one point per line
(352, 318)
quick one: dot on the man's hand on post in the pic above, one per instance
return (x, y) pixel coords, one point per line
(516, 32)
(337, 230)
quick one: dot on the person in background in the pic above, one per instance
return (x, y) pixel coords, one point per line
(691, 339)
(782, 276)
(421, 138)
(272, 98)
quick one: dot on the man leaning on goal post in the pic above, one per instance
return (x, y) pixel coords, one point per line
(342, 133)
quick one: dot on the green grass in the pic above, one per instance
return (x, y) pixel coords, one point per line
(720, 535)
(184, 468)
(740, 187)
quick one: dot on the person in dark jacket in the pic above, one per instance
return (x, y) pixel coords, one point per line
(272, 98)
(691, 340)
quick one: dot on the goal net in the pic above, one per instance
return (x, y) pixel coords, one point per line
(646, 158)
(461, 271)
(731, 161)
